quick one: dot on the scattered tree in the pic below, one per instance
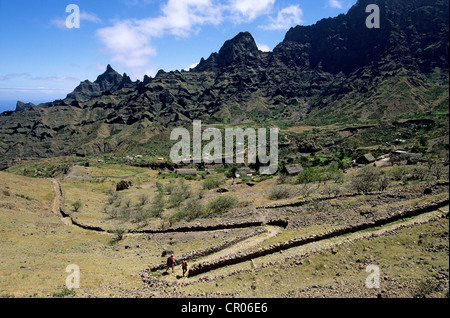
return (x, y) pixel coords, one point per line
(77, 205)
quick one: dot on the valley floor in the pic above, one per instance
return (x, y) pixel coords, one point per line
(41, 235)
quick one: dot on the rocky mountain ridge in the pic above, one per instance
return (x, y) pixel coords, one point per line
(109, 81)
(335, 70)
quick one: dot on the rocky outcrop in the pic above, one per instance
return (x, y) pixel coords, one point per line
(123, 185)
(21, 106)
(108, 82)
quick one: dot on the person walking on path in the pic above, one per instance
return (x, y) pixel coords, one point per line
(184, 265)
(170, 264)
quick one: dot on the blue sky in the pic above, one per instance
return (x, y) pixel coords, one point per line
(42, 60)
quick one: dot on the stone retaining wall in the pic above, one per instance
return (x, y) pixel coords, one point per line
(201, 268)
(326, 198)
(203, 228)
(210, 250)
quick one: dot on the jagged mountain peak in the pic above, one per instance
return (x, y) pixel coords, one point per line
(109, 68)
(243, 39)
(109, 81)
(241, 48)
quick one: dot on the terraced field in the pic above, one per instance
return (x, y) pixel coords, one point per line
(315, 246)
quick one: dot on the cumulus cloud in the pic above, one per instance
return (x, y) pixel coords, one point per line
(248, 10)
(127, 43)
(263, 47)
(131, 42)
(335, 4)
(286, 18)
(90, 17)
(192, 66)
(181, 17)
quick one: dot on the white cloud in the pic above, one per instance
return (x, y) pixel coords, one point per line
(59, 23)
(180, 17)
(191, 66)
(95, 67)
(127, 44)
(286, 18)
(130, 42)
(263, 47)
(248, 10)
(335, 4)
(90, 17)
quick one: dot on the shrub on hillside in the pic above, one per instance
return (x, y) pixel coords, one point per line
(212, 183)
(332, 172)
(113, 197)
(192, 210)
(280, 192)
(179, 194)
(399, 172)
(332, 190)
(420, 173)
(366, 179)
(305, 191)
(309, 175)
(158, 205)
(222, 204)
(143, 199)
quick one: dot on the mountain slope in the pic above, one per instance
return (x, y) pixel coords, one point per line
(337, 70)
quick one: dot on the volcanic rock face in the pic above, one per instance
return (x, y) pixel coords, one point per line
(106, 83)
(21, 106)
(337, 68)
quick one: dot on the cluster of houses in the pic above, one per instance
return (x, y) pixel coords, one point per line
(132, 158)
(395, 157)
(245, 171)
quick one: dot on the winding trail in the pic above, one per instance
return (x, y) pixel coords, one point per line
(249, 243)
(294, 254)
(246, 250)
(330, 243)
(339, 233)
(57, 203)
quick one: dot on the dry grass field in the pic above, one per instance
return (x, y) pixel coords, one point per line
(37, 243)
